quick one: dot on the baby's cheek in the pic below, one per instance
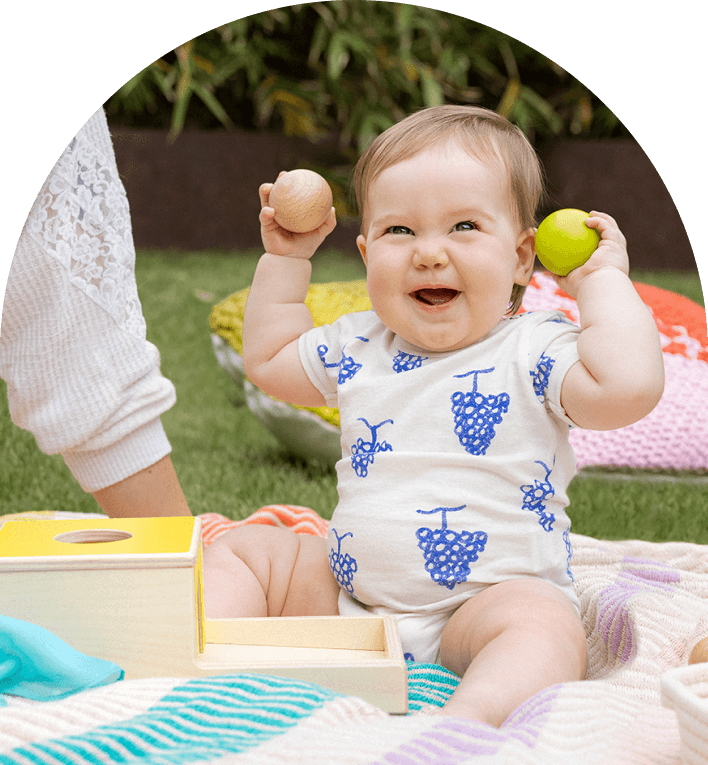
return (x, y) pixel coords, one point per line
(379, 292)
(385, 279)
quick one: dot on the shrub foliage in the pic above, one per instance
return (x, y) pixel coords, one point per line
(351, 68)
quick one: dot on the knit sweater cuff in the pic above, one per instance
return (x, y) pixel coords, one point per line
(97, 469)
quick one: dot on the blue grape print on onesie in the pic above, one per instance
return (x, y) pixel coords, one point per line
(569, 550)
(363, 451)
(347, 366)
(535, 497)
(343, 566)
(476, 414)
(404, 362)
(448, 553)
(541, 375)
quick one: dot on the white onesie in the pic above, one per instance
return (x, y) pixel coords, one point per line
(454, 470)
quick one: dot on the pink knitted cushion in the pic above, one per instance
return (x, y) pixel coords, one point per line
(675, 435)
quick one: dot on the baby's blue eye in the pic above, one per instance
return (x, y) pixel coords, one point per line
(465, 225)
(398, 230)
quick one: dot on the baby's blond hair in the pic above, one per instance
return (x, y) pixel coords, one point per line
(485, 134)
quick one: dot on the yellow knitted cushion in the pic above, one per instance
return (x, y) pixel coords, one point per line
(327, 302)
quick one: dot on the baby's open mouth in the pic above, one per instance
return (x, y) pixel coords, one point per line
(438, 296)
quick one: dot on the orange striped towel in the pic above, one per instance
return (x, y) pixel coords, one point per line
(302, 520)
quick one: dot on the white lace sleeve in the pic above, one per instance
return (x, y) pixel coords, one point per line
(80, 373)
(81, 217)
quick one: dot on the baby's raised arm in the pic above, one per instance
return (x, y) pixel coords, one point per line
(276, 314)
(620, 376)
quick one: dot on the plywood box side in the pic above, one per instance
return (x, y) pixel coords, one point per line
(394, 649)
(224, 655)
(143, 620)
(361, 633)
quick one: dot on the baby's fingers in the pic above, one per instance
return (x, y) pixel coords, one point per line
(264, 193)
(266, 188)
(607, 226)
(266, 214)
(329, 224)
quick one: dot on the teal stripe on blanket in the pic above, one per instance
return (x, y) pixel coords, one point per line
(209, 717)
(200, 720)
(429, 684)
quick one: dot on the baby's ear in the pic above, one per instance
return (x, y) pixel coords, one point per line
(525, 256)
(361, 244)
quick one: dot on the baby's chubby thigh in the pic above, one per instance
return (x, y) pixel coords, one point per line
(528, 613)
(257, 570)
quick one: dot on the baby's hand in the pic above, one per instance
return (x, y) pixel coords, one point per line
(280, 241)
(611, 252)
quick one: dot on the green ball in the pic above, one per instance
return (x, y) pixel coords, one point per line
(564, 242)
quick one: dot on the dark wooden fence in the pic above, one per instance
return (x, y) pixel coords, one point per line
(201, 191)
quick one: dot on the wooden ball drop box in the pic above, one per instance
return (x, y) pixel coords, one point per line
(130, 591)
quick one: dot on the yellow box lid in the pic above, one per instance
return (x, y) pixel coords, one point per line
(105, 542)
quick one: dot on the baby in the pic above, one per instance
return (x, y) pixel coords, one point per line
(455, 412)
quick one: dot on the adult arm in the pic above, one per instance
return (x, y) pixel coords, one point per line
(152, 492)
(81, 375)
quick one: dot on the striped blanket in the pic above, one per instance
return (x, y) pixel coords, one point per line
(645, 606)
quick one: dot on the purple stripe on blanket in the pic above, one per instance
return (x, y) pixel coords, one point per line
(446, 742)
(614, 620)
(451, 738)
(527, 722)
(657, 573)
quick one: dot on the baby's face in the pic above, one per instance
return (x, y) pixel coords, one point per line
(442, 248)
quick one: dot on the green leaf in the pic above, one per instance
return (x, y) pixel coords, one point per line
(432, 92)
(372, 125)
(551, 120)
(179, 114)
(337, 56)
(213, 105)
(510, 97)
(318, 44)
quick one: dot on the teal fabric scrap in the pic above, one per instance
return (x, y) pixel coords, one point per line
(36, 664)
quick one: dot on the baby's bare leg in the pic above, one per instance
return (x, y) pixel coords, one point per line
(258, 570)
(509, 642)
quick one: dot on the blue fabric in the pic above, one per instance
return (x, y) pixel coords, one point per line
(36, 664)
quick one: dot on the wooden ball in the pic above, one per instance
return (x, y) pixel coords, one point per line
(302, 200)
(699, 654)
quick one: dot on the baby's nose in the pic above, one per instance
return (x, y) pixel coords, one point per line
(431, 256)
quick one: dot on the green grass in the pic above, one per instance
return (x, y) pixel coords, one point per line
(228, 463)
